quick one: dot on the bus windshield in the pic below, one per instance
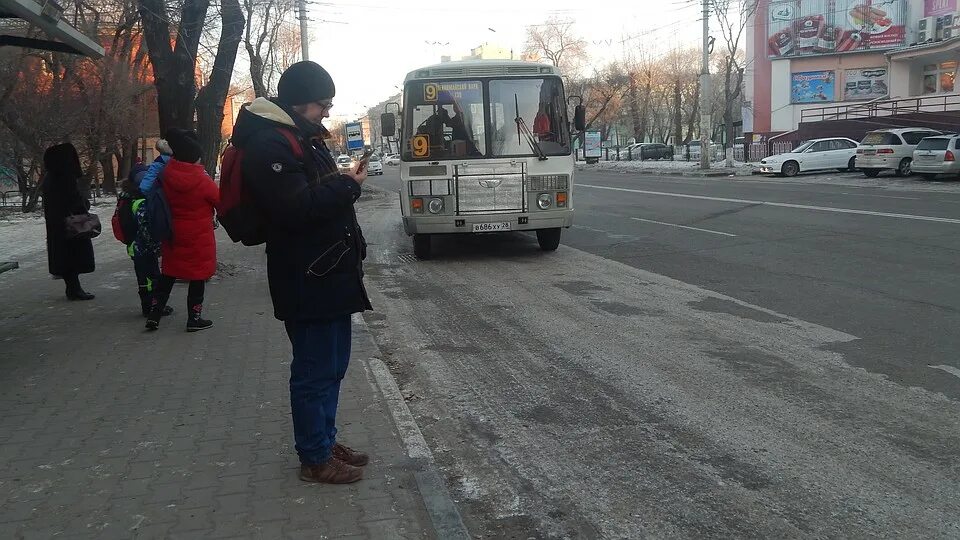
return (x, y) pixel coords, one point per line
(449, 118)
(539, 104)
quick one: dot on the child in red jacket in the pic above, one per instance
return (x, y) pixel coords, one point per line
(191, 253)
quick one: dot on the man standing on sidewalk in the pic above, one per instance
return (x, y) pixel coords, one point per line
(315, 251)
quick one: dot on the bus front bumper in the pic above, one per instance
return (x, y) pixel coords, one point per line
(487, 223)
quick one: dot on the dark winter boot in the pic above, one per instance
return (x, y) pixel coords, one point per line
(146, 302)
(195, 322)
(74, 290)
(153, 318)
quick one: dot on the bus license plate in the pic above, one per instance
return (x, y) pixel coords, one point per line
(491, 227)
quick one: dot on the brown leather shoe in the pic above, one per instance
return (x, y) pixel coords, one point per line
(350, 456)
(333, 471)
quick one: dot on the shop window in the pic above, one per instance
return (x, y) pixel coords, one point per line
(939, 79)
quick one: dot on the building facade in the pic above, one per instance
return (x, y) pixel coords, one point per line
(828, 56)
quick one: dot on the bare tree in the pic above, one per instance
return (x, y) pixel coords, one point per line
(212, 97)
(174, 64)
(732, 18)
(266, 21)
(557, 41)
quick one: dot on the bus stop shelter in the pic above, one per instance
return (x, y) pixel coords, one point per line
(56, 34)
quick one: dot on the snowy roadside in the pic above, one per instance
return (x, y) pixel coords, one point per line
(671, 168)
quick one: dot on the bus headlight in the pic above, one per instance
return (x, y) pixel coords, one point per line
(435, 206)
(544, 200)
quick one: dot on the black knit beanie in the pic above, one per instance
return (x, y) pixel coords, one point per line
(305, 82)
(185, 145)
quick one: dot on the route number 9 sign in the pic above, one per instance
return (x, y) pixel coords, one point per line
(430, 92)
(421, 146)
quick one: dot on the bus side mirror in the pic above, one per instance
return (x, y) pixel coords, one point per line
(580, 118)
(388, 124)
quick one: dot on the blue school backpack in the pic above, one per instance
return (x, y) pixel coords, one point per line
(159, 218)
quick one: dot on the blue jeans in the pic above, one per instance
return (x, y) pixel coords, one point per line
(321, 353)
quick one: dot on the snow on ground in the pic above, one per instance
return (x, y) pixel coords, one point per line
(24, 236)
(667, 167)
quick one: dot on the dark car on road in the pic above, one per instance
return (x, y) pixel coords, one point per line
(654, 151)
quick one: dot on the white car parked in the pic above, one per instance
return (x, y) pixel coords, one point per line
(392, 159)
(890, 149)
(819, 154)
(375, 166)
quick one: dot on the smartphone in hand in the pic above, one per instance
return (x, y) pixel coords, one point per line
(364, 159)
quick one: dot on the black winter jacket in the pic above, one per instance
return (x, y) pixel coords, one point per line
(315, 247)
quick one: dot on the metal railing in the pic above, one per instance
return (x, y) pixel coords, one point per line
(890, 107)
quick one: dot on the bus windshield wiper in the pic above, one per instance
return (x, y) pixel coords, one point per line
(525, 130)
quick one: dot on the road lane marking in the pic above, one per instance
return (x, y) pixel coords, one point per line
(782, 205)
(880, 196)
(949, 369)
(683, 226)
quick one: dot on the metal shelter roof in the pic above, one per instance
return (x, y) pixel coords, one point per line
(62, 37)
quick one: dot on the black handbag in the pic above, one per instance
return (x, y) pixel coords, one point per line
(83, 226)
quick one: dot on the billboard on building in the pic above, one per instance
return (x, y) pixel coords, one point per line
(936, 8)
(812, 87)
(812, 27)
(865, 84)
(354, 136)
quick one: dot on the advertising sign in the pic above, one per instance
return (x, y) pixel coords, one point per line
(812, 27)
(812, 87)
(592, 144)
(865, 84)
(354, 136)
(936, 8)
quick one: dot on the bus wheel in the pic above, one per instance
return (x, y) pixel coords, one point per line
(421, 246)
(549, 239)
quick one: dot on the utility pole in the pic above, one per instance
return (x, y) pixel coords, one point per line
(705, 92)
(304, 36)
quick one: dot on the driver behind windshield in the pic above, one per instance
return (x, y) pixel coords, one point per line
(461, 141)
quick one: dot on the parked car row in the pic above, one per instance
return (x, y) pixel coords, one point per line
(904, 151)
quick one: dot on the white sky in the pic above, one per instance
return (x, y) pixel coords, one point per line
(368, 46)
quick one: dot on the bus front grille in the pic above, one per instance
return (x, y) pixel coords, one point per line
(484, 194)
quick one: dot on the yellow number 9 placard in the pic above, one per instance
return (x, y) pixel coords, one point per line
(430, 92)
(421, 146)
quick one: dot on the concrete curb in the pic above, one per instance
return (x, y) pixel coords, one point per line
(444, 515)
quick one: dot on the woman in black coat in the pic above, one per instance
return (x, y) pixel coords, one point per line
(68, 258)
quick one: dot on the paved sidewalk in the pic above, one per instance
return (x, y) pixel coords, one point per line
(110, 432)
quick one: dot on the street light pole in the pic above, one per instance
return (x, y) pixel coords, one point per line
(705, 92)
(304, 36)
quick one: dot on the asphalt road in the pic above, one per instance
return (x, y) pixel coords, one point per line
(713, 357)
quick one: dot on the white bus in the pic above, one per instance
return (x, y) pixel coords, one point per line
(485, 146)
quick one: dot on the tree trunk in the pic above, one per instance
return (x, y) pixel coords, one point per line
(174, 69)
(211, 98)
(693, 121)
(109, 184)
(256, 72)
(645, 106)
(638, 128)
(677, 113)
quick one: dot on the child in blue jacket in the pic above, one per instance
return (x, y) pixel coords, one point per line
(144, 251)
(156, 168)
